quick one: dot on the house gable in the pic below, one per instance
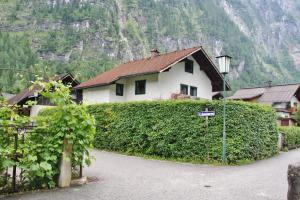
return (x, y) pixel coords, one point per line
(170, 81)
(156, 64)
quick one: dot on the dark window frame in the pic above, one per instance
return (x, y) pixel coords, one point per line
(192, 88)
(137, 92)
(189, 66)
(121, 88)
(181, 89)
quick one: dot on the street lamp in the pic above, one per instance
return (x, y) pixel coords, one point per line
(224, 65)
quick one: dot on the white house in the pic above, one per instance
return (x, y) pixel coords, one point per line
(188, 71)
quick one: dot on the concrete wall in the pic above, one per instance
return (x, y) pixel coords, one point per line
(169, 81)
(35, 109)
(96, 95)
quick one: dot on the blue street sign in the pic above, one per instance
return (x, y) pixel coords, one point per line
(206, 114)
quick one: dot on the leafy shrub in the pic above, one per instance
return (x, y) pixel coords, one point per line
(297, 116)
(10, 121)
(291, 136)
(68, 123)
(40, 153)
(171, 129)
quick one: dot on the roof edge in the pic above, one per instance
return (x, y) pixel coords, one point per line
(177, 61)
(109, 83)
(263, 87)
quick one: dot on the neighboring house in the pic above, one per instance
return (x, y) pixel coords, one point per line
(6, 96)
(283, 98)
(188, 72)
(28, 94)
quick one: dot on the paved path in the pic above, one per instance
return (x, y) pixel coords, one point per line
(131, 178)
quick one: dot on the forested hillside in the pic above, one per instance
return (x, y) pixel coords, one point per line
(85, 37)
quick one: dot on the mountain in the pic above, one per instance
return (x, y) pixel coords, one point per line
(85, 37)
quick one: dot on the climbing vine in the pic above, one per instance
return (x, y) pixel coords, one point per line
(44, 146)
(40, 152)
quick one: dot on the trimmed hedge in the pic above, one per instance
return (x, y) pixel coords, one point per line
(171, 129)
(291, 136)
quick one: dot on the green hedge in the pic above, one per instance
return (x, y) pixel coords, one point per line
(171, 129)
(291, 137)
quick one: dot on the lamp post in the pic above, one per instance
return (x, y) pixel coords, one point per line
(224, 65)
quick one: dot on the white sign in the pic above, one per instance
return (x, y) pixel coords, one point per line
(206, 114)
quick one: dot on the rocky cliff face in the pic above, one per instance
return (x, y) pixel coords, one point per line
(88, 36)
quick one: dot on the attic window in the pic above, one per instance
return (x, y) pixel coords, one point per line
(189, 66)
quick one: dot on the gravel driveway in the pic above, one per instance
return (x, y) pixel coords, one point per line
(131, 178)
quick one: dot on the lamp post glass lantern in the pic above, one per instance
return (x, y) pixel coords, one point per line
(224, 65)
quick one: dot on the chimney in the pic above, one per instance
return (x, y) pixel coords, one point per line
(154, 53)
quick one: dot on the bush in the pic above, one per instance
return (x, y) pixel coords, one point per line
(291, 136)
(67, 123)
(40, 152)
(297, 116)
(171, 129)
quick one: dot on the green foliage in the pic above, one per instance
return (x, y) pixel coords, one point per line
(16, 58)
(297, 116)
(171, 129)
(69, 123)
(9, 123)
(86, 38)
(43, 146)
(291, 136)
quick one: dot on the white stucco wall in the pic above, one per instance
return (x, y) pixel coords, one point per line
(283, 114)
(112, 92)
(169, 82)
(158, 86)
(282, 105)
(96, 95)
(293, 101)
(35, 109)
(152, 90)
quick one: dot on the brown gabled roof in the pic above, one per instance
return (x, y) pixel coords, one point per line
(157, 64)
(29, 92)
(269, 95)
(248, 93)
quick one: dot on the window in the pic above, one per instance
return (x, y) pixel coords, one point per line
(140, 87)
(193, 91)
(184, 89)
(119, 89)
(189, 66)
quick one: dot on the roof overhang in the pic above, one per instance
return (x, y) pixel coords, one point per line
(112, 82)
(211, 70)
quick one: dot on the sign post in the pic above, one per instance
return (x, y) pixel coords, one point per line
(206, 114)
